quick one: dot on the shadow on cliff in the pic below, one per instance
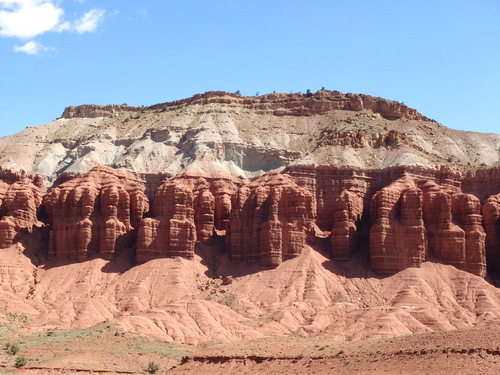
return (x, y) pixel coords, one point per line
(219, 264)
(356, 267)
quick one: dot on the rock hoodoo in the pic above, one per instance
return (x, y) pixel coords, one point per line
(402, 216)
(20, 198)
(270, 220)
(95, 213)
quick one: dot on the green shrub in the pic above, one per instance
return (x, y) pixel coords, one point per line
(152, 367)
(11, 348)
(21, 361)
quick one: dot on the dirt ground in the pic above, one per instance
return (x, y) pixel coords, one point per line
(104, 349)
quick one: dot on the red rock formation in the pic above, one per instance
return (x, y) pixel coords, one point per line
(205, 215)
(94, 213)
(269, 220)
(172, 231)
(415, 213)
(397, 235)
(491, 216)
(453, 221)
(344, 235)
(20, 197)
(208, 201)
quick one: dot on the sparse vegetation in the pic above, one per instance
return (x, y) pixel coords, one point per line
(153, 367)
(11, 349)
(21, 361)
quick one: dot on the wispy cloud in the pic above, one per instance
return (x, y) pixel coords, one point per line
(143, 12)
(26, 19)
(32, 48)
(89, 22)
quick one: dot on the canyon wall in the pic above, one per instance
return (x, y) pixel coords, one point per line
(94, 213)
(20, 199)
(403, 215)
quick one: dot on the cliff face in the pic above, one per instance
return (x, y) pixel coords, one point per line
(219, 132)
(278, 104)
(20, 199)
(94, 213)
(403, 216)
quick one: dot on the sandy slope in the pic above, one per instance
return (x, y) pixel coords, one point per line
(184, 301)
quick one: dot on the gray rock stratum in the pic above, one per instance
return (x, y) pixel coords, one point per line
(244, 136)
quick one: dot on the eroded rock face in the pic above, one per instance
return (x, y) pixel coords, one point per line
(20, 197)
(269, 220)
(186, 209)
(491, 216)
(95, 213)
(277, 103)
(454, 224)
(397, 235)
(414, 218)
(172, 231)
(403, 216)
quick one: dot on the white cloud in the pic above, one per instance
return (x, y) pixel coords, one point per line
(89, 22)
(31, 48)
(28, 18)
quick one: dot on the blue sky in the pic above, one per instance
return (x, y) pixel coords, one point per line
(441, 57)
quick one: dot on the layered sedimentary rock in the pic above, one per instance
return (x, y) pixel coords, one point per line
(402, 216)
(172, 231)
(397, 234)
(185, 210)
(491, 217)
(348, 214)
(20, 197)
(95, 213)
(269, 220)
(277, 103)
(414, 217)
(455, 231)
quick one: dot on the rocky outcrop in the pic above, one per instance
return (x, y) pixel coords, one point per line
(94, 110)
(455, 229)
(269, 220)
(95, 214)
(20, 198)
(172, 231)
(414, 218)
(397, 234)
(402, 216)
(491, 216)
(185, 210)
(278, 104)
(348, 214)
